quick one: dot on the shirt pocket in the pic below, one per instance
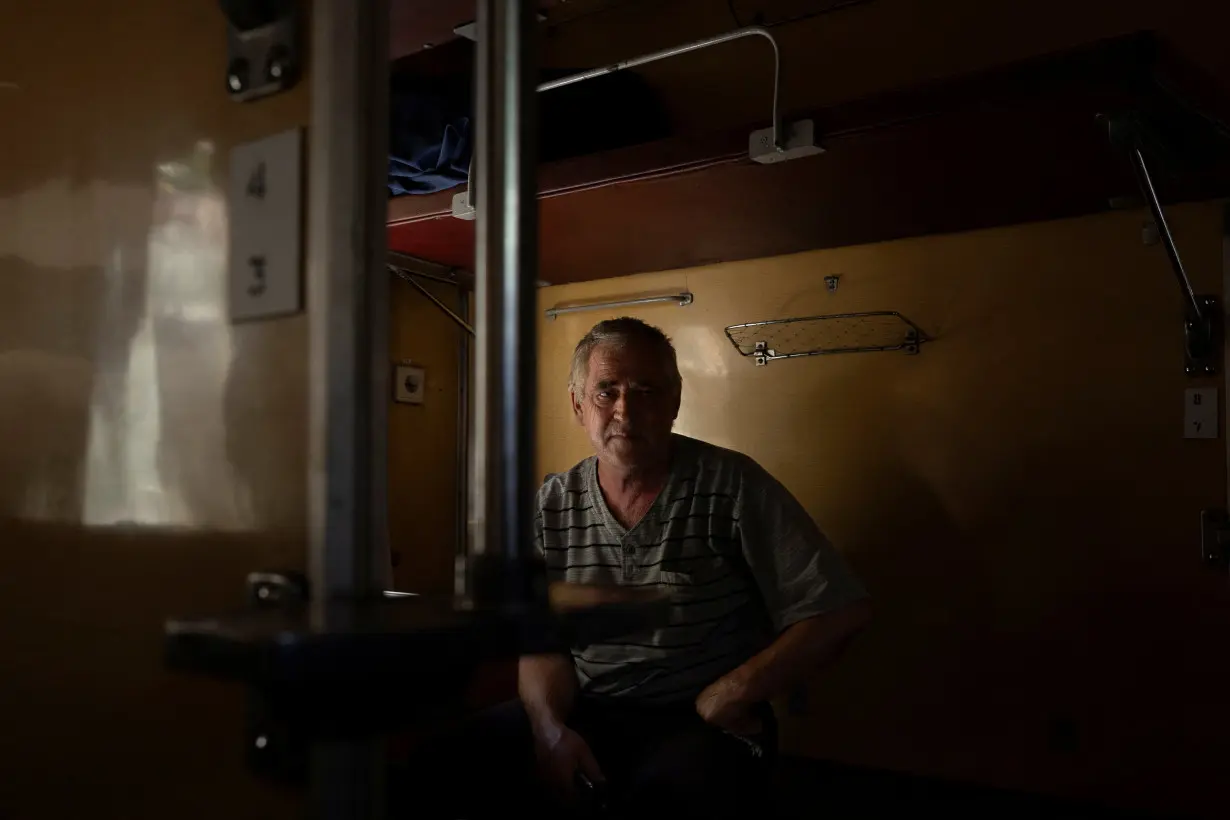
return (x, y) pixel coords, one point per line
(697, 583)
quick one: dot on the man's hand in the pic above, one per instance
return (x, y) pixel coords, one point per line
(724, 704)
(561, 753)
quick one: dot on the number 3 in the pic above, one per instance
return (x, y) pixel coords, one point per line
(257, 263)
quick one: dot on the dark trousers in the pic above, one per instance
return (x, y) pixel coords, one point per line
(659, 762)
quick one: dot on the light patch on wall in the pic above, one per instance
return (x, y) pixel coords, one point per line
(157, 432)
(701, 352)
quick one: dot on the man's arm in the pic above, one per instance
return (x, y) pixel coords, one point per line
(800, 650)
(812, 598)
(548, 688)
(797, 653)
(547, 685)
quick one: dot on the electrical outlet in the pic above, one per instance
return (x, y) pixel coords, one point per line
(408, 384)
(799, 140)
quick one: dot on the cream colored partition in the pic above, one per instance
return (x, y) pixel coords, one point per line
(151, 453)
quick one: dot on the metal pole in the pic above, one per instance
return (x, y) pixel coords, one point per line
(464, 369)
(348, 352)
(418, 265)
(506, 274)
(431, 297)
(1155, 207)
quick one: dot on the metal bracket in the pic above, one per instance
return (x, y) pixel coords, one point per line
(1202, 343)
(275, 751)
(1215, 538)
(1202, 326)
(276, 589)
(263, 47)
(783, 339)
(762, 354)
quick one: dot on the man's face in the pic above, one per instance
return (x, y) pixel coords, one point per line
(629, 404)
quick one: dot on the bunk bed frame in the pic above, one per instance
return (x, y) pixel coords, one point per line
(1021, 143)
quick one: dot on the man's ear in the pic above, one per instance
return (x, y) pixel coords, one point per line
(678, 401)
(575, 401)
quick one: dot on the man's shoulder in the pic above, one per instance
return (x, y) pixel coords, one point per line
(714, 464)
(557, 486)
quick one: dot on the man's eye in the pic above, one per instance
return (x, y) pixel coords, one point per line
(604, 394)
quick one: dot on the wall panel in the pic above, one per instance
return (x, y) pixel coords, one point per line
(150, 452)
(423, 439)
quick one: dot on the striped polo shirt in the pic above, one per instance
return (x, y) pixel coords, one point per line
(739, 556)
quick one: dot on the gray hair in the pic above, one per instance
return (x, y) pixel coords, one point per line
(619, 333)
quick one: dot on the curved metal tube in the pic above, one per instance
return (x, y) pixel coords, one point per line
(747, 31)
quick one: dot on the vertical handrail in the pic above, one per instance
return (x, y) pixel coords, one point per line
(506, 245)
(464, 370)
(348, 358)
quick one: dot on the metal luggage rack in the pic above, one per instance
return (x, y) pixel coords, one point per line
(870, 332)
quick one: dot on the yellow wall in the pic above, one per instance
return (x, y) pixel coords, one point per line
(423, 511)
(1018, 497)
(150, 452)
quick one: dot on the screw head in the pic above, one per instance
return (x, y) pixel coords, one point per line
(237, 75)
(1189, 370)
(278, 64)
(1208, 369)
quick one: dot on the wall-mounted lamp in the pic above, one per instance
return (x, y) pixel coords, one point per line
(681, 299)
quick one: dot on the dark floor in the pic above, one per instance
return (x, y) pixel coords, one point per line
(809, 788)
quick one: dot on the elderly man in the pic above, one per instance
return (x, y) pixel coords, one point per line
(674, 722)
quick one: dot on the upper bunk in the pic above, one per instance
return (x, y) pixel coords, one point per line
(1042, 139)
